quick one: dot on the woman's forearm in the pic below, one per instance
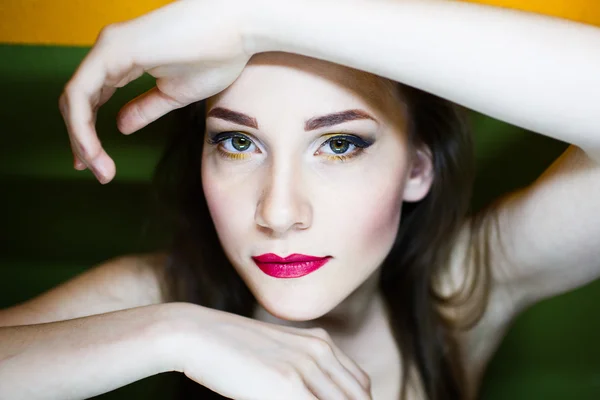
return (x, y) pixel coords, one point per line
(536, 72)
(84, 357)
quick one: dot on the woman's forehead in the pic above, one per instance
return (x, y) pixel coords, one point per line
(281, 82)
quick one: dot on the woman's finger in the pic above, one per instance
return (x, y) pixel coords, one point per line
(319, 382)
(145, 109)
(80, 121)
(324, 351)
(344, 379)
(77, 163)
(351, 366)
(357, 373)
(91, 85)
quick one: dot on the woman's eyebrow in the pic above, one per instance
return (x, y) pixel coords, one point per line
(336, 119)
(312, 124)
(233, 116)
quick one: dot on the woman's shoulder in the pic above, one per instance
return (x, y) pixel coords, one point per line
(479, 310)
(138, 278)
(122, 282)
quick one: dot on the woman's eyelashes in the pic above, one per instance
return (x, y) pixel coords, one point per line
(233, 145)
(343, 147)
(338, 147)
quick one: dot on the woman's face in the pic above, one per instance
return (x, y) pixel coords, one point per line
(307, 157)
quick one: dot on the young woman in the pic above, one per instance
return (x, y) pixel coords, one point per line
(320, 184)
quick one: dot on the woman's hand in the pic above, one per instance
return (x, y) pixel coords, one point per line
(194, 48)
(245, 359)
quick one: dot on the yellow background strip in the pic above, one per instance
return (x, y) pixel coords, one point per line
(65, 22)
(77, 22)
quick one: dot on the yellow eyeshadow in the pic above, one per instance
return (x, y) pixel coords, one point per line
(337, 158)
(234, 156)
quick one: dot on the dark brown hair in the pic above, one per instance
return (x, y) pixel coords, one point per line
(199, 272)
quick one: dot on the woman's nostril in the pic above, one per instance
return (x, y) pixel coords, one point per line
(281, 213)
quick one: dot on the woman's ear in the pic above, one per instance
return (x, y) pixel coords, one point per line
(420, 175)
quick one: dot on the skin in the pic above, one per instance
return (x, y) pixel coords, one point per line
(464, 53)
(287, 195)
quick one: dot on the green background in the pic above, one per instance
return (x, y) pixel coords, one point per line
(56, 222)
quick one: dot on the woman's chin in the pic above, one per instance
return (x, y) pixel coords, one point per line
(297, 309)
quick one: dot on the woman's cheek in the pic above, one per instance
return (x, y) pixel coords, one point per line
(224, 205)
(376, 209)
(380, 225)
(224, 185)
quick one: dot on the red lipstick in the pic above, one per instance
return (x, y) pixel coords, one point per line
(292, 266)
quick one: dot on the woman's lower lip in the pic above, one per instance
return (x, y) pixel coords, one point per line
(291, 269)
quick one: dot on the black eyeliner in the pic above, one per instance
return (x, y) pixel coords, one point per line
(355, 140)
(217, 137)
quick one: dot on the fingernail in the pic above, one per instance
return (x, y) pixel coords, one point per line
(97, 170)
(79, 165)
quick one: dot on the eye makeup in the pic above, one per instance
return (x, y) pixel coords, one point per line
(340, 143)
(232, 145)
(239, 146)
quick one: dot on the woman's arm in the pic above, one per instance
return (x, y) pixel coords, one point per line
(104, 329)
(85, 357)
(537, 72)
(120, 283)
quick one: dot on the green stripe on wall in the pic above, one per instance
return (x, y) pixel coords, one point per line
(34, 138)
(57, 222)
(51, 212)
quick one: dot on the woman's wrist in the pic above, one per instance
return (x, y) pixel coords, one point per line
(170, 333)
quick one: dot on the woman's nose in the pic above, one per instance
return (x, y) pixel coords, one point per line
(283, 204)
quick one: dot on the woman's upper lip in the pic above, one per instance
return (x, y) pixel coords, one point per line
(274, 258)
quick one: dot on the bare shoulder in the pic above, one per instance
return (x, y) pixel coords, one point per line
(530, 244)
(123, 282)
(480, 309)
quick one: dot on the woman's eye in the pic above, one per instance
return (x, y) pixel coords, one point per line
(343, 147)
(344, 144)
(338, 146)
(233, 145)
(237, 143)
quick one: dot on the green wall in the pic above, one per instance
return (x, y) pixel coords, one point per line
(56, 222)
